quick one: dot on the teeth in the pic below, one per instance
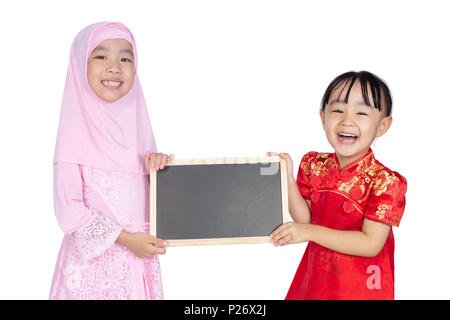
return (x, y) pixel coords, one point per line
(111, 83)
(347, 135)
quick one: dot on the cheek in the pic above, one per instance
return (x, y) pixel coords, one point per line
(129, 79)
(367, 128)
(93, 74)
(331, 120)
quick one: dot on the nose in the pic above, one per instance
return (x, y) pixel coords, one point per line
(347, 119)
(114, 67)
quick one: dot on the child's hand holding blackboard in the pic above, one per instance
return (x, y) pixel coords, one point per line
(142, 244)
(289, 163)
(299, 208)
(289, 233)
(156, 161)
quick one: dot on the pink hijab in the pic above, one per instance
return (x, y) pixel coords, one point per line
(113, 136)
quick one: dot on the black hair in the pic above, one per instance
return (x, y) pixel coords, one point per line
(381, 95)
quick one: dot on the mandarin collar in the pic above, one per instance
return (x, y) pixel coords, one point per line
(353, 164)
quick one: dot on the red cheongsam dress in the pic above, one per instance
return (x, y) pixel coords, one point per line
(342, 199)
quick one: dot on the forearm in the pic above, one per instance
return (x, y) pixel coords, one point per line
(298, 207)
(355, 243)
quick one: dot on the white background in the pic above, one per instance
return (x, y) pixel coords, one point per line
(225, 79)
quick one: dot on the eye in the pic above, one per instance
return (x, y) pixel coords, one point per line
(100, 57)
(362, 114)
(338, 111)
(125, 60)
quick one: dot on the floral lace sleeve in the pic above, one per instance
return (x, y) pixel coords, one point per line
(96, 238)
(387, 200)
(304, 175)
(93, 232)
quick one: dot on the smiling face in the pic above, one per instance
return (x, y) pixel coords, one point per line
(352, 127)
(110, 69)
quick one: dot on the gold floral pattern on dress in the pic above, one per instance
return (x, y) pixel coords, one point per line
(369, 174)
(359, 181)
(382, 210)
(382, 181)
(305, 166)
(348, 186)
(368, 165)
(322, 168)
(395, 220)
(356, 187)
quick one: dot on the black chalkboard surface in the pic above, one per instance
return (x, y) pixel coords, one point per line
(218, 201)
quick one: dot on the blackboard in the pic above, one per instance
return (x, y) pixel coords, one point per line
(218, 201)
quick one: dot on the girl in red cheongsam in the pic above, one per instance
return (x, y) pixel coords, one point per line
(345, 203)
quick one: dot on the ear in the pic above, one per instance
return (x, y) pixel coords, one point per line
(322, 116)
(384, 126)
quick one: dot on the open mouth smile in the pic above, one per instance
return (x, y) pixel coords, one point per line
(347, 138)
(111, 84)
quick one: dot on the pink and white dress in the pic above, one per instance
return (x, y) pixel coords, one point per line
(101, 184)
(91, 264)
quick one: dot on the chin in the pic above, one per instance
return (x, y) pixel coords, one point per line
(351, 155)
(347, 151)
(110, 98)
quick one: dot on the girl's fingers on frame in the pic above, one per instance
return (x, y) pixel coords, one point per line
(285, 156)
(158, 161)
(275, 232)
(271, 154)
(282, 227)
(163, 161)
(279, 232)
(161, 243)
(158, 242)
(152, 161)
(285, 240)
(158, 250)
(161, 250)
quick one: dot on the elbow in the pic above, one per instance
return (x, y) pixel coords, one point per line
(373, 244)
(73, 219)
(372, 251)
(67, 228)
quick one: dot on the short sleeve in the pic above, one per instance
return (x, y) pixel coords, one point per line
(304, 175)
(386, 203)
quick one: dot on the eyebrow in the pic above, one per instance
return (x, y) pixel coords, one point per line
(128, 51)
(107, 49)
(343, 101)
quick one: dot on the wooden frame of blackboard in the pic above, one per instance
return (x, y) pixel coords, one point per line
(217, 241)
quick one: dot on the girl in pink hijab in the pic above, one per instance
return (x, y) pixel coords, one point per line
(104, 151)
